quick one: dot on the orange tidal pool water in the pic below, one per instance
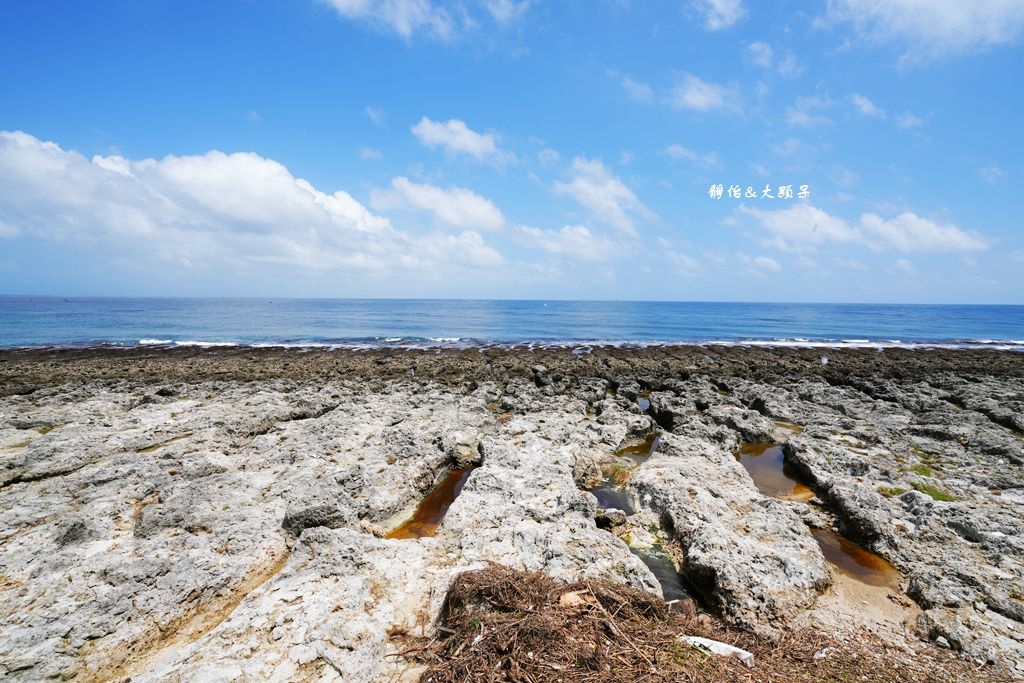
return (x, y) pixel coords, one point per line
(432, 509)
(766, 465)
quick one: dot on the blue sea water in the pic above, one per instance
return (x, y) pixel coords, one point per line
(55, 321)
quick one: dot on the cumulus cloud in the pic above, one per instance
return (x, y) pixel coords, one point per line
(680, 153)
(992, 173)
(806, 112)
(376, 115)
(549, 156)
(608, 199)
(760, 54)
(573, 241)
(908, 120)
(799, 226)
(909, 232)
(758, 265)
(683, 264)
(403, 17)
(637, 91)
(866, 107)
(507, 11)
(904, 266)
(931, 29)
(691, 92)
(720, 14)
(208, 211)
(456, 207)
(803, 227)
(455, 137)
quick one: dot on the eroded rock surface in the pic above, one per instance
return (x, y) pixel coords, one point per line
(221, 515)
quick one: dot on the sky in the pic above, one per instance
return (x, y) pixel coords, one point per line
(820, 150)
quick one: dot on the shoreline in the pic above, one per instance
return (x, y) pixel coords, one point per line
(22, 369)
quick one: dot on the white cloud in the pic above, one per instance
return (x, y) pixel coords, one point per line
(804, 227)
(376, 115)
(789, 66)
(851, 263)
(370, 153)
(637, 91)
(758, 266)
(992, 173)
(909, 232)
(211, 212)
(904, 266)
(691, 92)
(805, 112)
(685, 265)
(931, 29)
(603, 194)
(455, 137)
(800, 226)
(507, 11)
(607, 198)
(908, 120)
(404, 17)
(456, 206)
(548, 156)
(760, 54)
(574, 241)
(680, 153)
(719, 14)
(866, 107)
(792, 148)
(8, 230)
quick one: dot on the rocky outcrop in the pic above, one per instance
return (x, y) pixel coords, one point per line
(751, 557)
(175, 515)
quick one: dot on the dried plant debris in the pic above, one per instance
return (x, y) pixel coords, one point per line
(498, 624)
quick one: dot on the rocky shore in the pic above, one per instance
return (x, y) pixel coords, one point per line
(192, 514)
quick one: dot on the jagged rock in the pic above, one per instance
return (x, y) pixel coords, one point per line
(751, 557)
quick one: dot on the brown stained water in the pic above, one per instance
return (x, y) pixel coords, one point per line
(638, 452)
(432, 509)
(795, 428)
(854, 561)
(766, 465)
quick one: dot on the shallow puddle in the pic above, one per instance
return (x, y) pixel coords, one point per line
(765, 464)
(773, 477)
(674, 586)
(855, 561)
(795, 428)
(432, 509)
(608, 496)
(638, 452)
(644, 401)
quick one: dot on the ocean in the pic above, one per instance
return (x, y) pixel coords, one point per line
(29, 321)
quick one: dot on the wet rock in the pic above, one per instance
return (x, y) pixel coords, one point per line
(751, 557)
(609, 518)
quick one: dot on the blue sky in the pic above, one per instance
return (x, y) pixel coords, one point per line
(514, 149)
